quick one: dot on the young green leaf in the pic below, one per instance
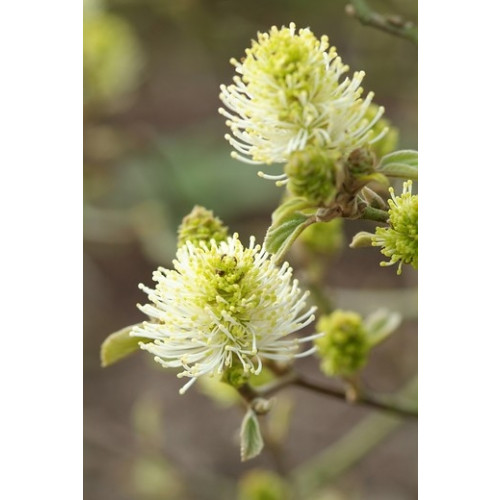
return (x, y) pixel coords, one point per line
(362, 239)
(402, 164)
(288, 207)
(118, 345)
(380, 324)
(282, 234)
(250, 436)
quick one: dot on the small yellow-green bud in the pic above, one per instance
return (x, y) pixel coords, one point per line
(389, 142)
(324, 237)
(311, 174)
(235, 376)
(361, 161)
(344, 346)
(399, 241)
(261, 406)
(358, 169)
(201, 225)
(263, 485)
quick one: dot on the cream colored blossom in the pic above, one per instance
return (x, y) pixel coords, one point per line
(291, 93)
(223, 304)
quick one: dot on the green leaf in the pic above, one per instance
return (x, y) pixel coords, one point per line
(250, 436)
(120, 344)
(402, 164)
(282, 234)
(362, 239)
(289, 207)
(407, 156)
(380, 324)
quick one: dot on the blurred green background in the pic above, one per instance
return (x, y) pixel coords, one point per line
(153, 148)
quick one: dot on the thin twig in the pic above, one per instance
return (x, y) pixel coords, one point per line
(349, 449)
(390, 24)
(251, 394)
(364, 398)
(374, 214)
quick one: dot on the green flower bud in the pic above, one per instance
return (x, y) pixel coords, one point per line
(261, 406)
(311, 174)
(399, 241)
(324, 237)
(344, 346)
(361, 161)
(358, 171)
(235, 376)
(201, 225)
(389, 142)
(262, 485)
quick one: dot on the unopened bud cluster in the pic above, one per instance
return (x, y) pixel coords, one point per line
(311, 175)
(361, 162)
(201, 225)
(344, 347)
(399, 241)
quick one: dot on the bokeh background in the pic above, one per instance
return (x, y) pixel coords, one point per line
(153, 148)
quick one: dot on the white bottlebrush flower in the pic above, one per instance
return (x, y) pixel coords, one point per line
(291, 94)
(223, 304)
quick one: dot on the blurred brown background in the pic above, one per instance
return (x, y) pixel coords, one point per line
(154, 147)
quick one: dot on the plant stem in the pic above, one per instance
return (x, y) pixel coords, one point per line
(373, 401)
(375, 214)
(364, 398)
(250, 394)
(390, 24)
(349, 449)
